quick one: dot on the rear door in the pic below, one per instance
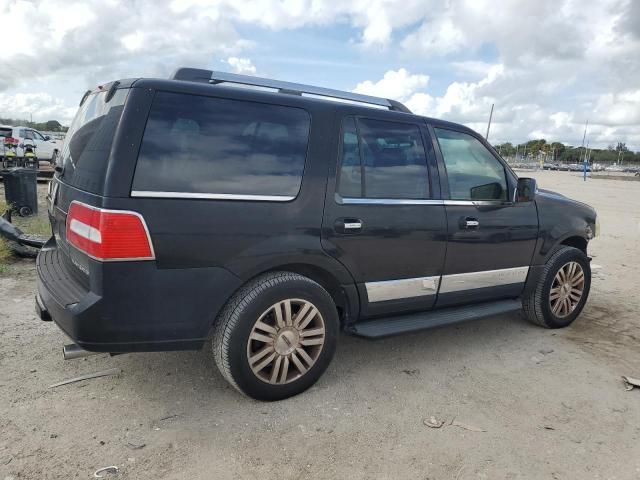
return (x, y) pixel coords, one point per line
(383, 219)
(491, 238)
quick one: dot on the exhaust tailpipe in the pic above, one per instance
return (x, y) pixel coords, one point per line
(69, 352)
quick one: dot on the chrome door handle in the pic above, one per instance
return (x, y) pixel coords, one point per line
(352, 225)
(469, 223)
(348, 225)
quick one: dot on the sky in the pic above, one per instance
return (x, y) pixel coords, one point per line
(547, 65)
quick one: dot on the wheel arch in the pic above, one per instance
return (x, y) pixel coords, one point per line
(345, 303)
(576, 241)
(325, 271)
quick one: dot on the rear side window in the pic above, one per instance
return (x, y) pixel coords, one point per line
(221, 148)
(88, 142)
(382, 159)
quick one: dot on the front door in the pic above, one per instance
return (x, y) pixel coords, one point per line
(44, 148)
(491, 238)
(383, 219)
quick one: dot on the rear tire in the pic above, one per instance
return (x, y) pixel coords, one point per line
(276, 336)
(562, 289)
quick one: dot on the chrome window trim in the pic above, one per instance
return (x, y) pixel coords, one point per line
(212, 196)
(403, 288)
(476, 202)
(385, 201)
(415, 201)
(483, 279)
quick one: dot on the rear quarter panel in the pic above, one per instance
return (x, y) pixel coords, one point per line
(244, 237)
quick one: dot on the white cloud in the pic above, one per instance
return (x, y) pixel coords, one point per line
(621, 108)
(548, 65)
(469, 103)
(41, 106)
(398, 84)
(242, 65)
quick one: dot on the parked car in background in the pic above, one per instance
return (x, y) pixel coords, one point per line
(46, 148)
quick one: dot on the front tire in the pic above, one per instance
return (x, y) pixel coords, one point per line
(562, 290)
(276, 336)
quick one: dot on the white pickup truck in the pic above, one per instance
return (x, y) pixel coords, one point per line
(46, 148)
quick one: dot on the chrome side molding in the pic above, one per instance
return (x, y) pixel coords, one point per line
(404, 288)
(488, 278)
(425, 286)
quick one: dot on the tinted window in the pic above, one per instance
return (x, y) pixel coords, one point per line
(350, 177)
(195, 144)
(87, 145)
(390, 155)
(472, 170)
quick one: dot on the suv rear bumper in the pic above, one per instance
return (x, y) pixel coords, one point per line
(140, 307)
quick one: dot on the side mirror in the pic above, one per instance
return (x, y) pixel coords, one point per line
(526, 190)
(47, 138)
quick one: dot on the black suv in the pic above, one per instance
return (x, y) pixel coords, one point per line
(265, 216)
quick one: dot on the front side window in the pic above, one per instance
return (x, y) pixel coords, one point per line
(472, 170)
(37, 136)
(204, 145)
(382, 159)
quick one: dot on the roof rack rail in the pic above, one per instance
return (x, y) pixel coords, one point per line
(212, 77)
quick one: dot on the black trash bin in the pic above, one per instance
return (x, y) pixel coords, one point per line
(21, 190)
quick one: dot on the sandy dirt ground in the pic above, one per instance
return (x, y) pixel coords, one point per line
(518, 401)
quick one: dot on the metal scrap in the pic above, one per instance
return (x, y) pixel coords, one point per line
(465, 426)
(433, 422)
(630, 383)
(104, 471)
(103, 373)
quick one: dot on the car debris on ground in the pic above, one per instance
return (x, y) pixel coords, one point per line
(105, 471)
(103, 373)
(630, 383)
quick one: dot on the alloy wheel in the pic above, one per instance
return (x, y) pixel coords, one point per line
(567, 289)
(286, 341)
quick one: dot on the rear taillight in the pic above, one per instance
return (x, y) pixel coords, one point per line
(108, 235)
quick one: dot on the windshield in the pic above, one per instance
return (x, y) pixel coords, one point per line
(87, 146)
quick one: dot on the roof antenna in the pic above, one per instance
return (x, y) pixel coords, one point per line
(486, 137)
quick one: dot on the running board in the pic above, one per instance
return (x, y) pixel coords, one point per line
(384, 327)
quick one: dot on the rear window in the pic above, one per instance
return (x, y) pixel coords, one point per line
(6, 132)
(220, 148)
(87, 146)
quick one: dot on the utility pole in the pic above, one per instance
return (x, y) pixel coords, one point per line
(486, 137)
